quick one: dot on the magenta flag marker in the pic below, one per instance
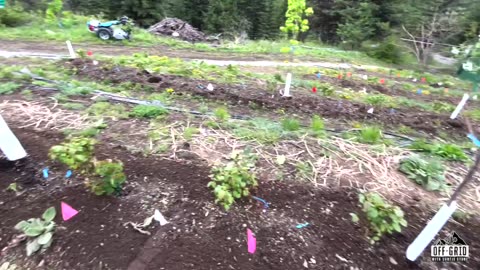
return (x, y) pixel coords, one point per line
(251, 241)
(68, 212)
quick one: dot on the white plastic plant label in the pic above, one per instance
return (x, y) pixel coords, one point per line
(288, 83)
(9, 144)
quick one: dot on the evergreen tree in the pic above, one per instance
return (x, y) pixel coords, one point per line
(223, 17)
(144, 12)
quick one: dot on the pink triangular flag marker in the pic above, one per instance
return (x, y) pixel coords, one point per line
(251, 242)
(68, 212)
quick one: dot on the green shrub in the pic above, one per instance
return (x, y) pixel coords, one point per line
(76, 153)
(427, 173)
(234, 180)
(39, 231)
(145, 111)
(14, 17)
(290, 124)
(378, 100)
(111, 178)
(387, 51)
(382, 216)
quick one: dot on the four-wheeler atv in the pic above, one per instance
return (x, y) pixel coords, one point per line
(106, 30)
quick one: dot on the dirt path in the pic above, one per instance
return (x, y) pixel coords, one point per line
(59, 49)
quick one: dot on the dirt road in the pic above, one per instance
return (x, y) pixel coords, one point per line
(59, 49)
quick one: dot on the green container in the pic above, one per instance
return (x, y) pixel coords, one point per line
(2, 3)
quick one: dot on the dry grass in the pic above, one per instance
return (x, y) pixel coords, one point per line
(36, 115)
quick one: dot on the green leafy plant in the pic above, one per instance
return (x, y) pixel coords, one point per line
(427, 173)
(233, 180)
(443, 107)
(383, 217)
(8, 88)
(450, 151)
(76, 153)
(290, 124)
(326, 89)
(145, 111)
(39, 231)
(111, 177)
(370, 135)
(378, 100)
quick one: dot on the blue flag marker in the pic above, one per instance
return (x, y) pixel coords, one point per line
(419, 91)
(68, 174)
(474, 140)
(301, 226)
(265, 203)
(392, 111)
(45, 173)
(319, 75)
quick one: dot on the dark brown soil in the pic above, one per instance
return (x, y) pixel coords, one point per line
(200, 235)
(302, 103)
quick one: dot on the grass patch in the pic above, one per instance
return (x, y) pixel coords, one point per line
(145, 111)
(261, 130)
(290, 124)
(8, 88)
(370, 135)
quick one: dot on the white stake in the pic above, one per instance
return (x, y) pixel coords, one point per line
(429, 232)
(70, 49)
(460, 106)
(288, 83)
(9, 144)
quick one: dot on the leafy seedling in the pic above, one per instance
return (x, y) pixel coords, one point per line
(427, 173)
(39, 231)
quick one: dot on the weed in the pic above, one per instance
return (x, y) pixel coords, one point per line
(290, 124)
(39, 231)
(12, 187)
(221, 114)
(111, 177)
(326, 89)
(382, 216)
(427, 173)
(76, 153)
(450, 151)
(73, 106)
(8, 88)
(443, 107)
(189, 132)
(370, 135)
(145, 111)
(304, 170)
(234, 180)
(105, 109)
(378, 100)
(260, 130)
(461, 216)
(317, 126)
(421, 146)
(405, 130)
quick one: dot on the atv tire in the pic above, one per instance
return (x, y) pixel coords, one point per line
(104, 34)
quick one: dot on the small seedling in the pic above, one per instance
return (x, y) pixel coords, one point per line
(234, 180)
(382, 216)
(12, 187)
(317, 126)
(221, 114)
(39, 231)
(189, 132)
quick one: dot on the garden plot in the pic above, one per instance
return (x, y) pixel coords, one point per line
(309, 176)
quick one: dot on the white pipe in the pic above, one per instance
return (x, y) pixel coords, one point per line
(460, 106)
(9, 144)
(429, 232)
(288, 83)
(70, 49)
